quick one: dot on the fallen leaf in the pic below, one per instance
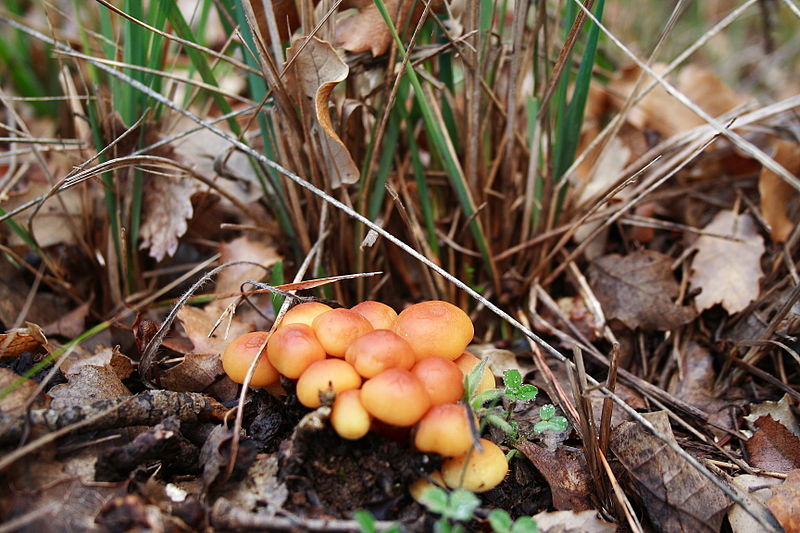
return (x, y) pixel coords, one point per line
(194, 374)
(167, 206)
(315, 69)
(780, 411)
(260, 485)
(773, 447)
(694, 384)
(69, 325)
(566, 472)
(102, 357)
(727, 270)
(755, 490)
(19, 340)
(243, 249)
(775, 192)
(639, 289)
(18, 398)
(572, 522)
(676, 497)
(785, 502)
(197, 323)
(87, 385)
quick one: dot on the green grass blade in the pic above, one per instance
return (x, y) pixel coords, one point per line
(444, 148)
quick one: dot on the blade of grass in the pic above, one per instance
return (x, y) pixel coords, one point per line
(444, 149)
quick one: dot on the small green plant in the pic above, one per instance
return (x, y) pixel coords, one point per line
(515, 390)
(501, 522)
(457, 506)
(367, 523)
(548, 421)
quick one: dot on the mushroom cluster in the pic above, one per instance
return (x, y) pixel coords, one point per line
(387, 371)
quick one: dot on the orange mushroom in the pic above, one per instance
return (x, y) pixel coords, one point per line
(445, 429)
(304, 313)
(380, 315)
(293, 348)
(435, 329)
(323, 375)
(442, 379)
(395, 396)
(239, 354)
(379, 350)
(338, 328)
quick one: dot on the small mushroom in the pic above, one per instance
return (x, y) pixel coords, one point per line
(476, 471)
(338, 328)
(379, 350)
(466, 362)
(442, 379)
(380, 315)
(304, 313)
(292, 348)
(348, 417)
(435, 329)
(445, 429)
(324, 375)
(239, 354)
(395, 396)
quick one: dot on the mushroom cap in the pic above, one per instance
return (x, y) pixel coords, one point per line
(348, 417)
(380, 315)
(481, 471)
(338, 328)
(418, 488)
(239, 354)
(304, 313)
(395, 396)
(442, 379)
(379, 350)
(322, 375)
(435, 329)
(466, 362)
(292, 348)
(445, 429)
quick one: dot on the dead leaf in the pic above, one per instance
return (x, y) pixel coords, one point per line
(197, 323)
(69, 325)
(194, 374)
(775, 192)
(677, 498)
(260, 485)
(103, 356)
(21, 340)
(315, 70)
(167, 206)
(780, 411)
(773, 447)
(243, 249)
(566, 472)
(18, 398)
(728, 270)
(89, 384)
(572, 522)
(785, 502)
(694, 384)
(639, 289)
(755, 490)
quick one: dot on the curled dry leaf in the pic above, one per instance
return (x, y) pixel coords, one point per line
(639, 289)
(755, 491)
(727, 270)
(676, 496)
(194, 374)
(776, 193)
(780, 411)
(20, 340)
(314, 71)
(167, 206)
(773, 447)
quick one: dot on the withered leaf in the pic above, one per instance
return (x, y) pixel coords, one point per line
(785, 502)
(572, 522)
(775, 192)
(315, 69)
(677, 498)
(198, 323)
(773, 447)
(18, 398)
(88, 385)
(728, 270)
(20, 340)
(167, 206)
(639, 289)
(194, 374)
(755, 491)
(567, 474)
